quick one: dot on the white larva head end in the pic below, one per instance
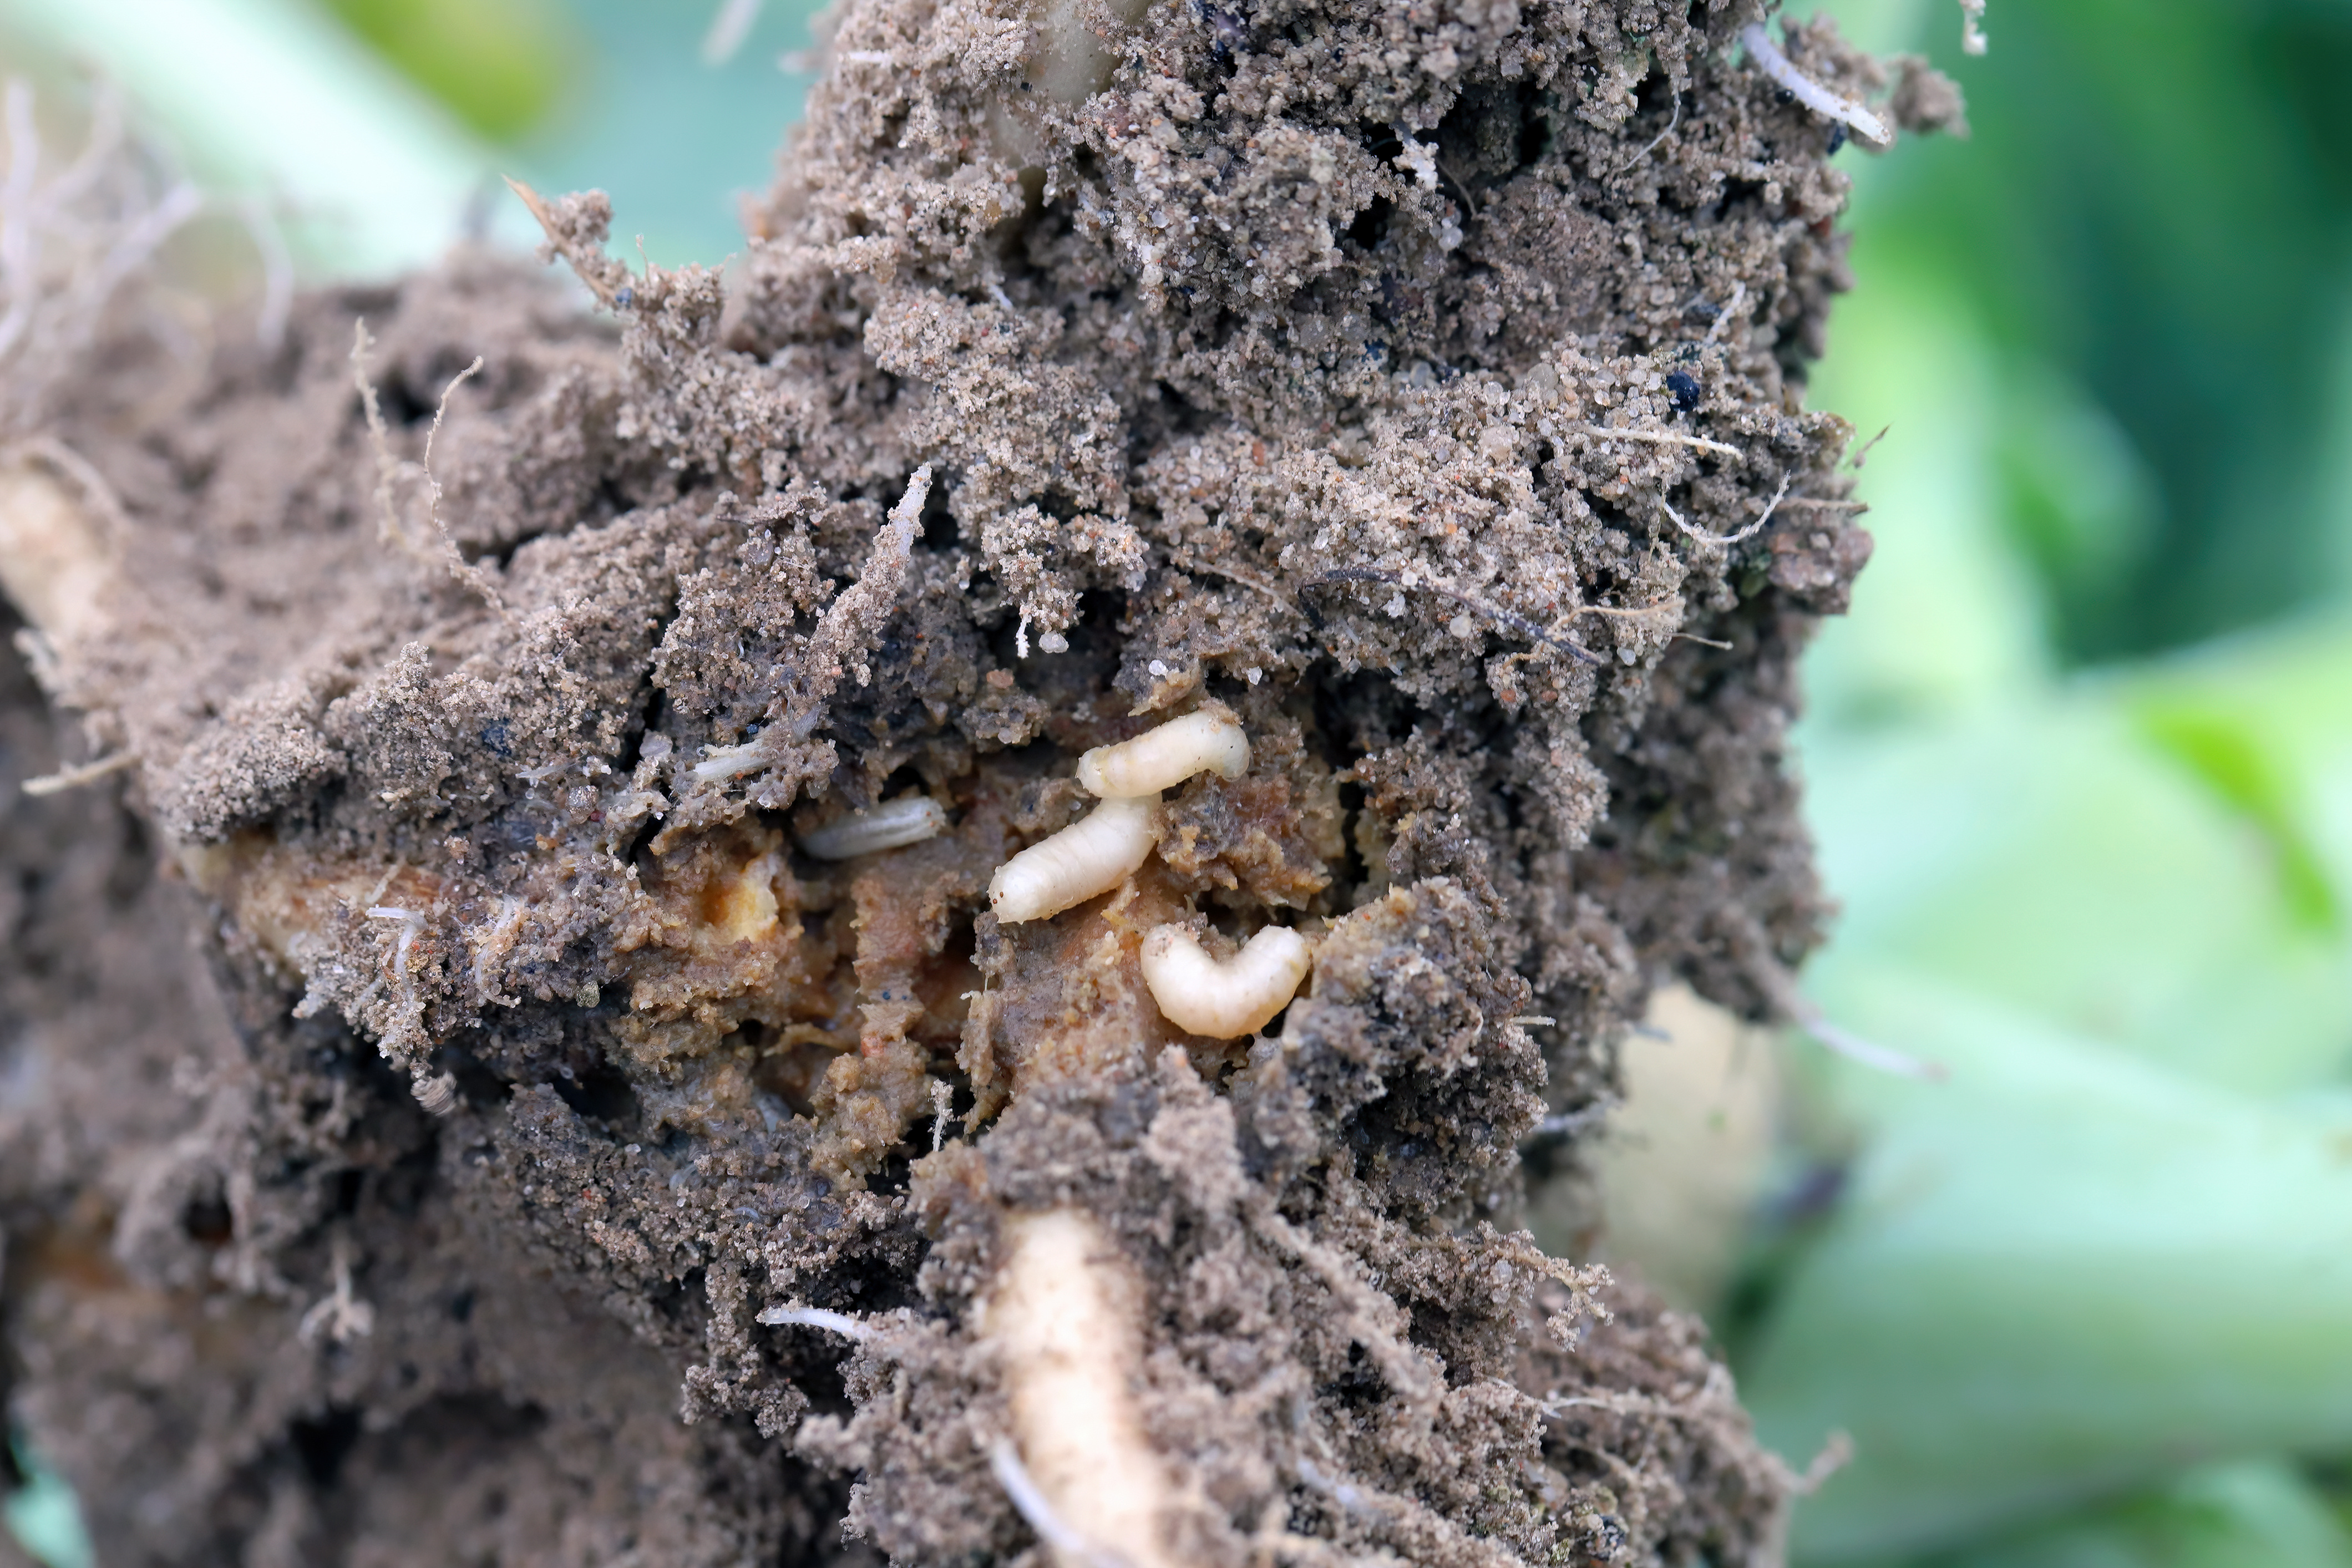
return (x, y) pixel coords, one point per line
(1285, 948)
(1008, 895)
(1090, 773)
(1226, 748)
(1085, 859)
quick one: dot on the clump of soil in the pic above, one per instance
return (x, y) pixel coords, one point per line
(432, 1049)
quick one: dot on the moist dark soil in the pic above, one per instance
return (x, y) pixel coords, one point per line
(429, 1053)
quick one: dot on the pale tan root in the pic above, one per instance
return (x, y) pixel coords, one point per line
(1063, 1320)
(54, 560)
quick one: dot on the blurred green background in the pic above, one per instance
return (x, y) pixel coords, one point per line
(2080, 760)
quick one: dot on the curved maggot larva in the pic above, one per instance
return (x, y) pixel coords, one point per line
(1224, 1001)
(894, 824)
(1091, 856)
(1207, 740)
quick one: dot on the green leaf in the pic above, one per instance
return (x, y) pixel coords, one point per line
(501, 65)
(2257, 1514)
(2062, 1273)
(2052, 858)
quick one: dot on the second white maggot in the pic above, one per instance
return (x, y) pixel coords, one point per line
(1224, 1001)
(1089, 857)
(1209, 739)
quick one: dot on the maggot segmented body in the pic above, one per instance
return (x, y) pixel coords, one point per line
(1238, 997)
(1207, 740)
(894, 824)
(1091, 856)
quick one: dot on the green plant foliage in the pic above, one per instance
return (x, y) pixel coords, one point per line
(2083, 1304)
(2114, 1240)
(2229, 755)
(2055, 861)
(2253, 1515)
(2064, 1273)
(501, 66)
(2155, 216)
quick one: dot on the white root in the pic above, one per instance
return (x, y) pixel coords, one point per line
(1810, 93)
(894, 824)
(1207, 740)
(1870, 1053)
(1020, 1489)
(1726, 540)
(389, 470)
(1063, 1317)
(339, 1315)
(1665, 438)
(823, 1318)
(1088, 858)
(1224, 1001)
(66, 779)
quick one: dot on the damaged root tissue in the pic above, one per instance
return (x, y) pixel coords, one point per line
(893, 909)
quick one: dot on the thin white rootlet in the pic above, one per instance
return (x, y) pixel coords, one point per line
(1089, 857)
(823, 1318)
(1207, 740)
(1224, 1001)
(1062, 1318)
(1807, 91)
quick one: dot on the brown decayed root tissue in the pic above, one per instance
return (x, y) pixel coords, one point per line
(516, 941)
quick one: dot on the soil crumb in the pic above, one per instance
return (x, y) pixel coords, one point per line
(470, 1094)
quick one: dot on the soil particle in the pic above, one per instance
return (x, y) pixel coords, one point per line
(427, 1062)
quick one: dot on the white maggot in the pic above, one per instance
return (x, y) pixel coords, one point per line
(1238, 997)
(894, 824)
(1207, 740)
(1091, 856)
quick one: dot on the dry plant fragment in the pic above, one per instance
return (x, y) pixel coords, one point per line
(1208, 740)
(1225, 1000)
(1089, 857)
